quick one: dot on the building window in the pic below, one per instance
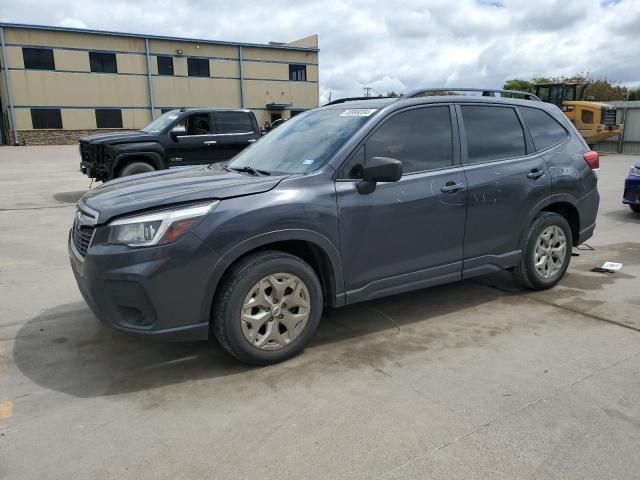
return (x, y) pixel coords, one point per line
(38, 58)
(296, 112)
(165, 65)
(198, 67)
(46, 118)
(108, 118)
(298, 73)
(103, 62)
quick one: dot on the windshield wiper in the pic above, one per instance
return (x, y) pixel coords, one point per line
(248, 169)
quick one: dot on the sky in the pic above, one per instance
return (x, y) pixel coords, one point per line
(393, 45)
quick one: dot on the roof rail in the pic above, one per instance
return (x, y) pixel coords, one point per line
(349, 99)
(486, 92)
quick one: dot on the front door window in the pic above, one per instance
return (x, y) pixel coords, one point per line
(198, 124)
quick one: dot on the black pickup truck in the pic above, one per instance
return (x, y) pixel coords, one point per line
(176, 138)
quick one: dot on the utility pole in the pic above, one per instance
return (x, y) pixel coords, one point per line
(624, 120)
(367, 91)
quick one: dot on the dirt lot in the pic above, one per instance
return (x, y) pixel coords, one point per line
(473, 380)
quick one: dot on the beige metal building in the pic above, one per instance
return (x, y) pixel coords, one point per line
(61, 83)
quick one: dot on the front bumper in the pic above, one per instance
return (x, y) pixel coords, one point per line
(91, 170)
(631, 194)
(156, 291)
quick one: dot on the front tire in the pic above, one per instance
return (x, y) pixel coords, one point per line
(546, 252)
(134, 168)
(635, 208)
(267, 308)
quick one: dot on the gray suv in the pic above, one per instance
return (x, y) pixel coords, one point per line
(349, 202)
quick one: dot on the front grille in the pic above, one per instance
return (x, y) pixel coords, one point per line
(85, 152)
(90, 153)
(81, 237)
(82, 231)
(609, 116)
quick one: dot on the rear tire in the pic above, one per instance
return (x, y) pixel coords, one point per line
(635, 208)
(267, 308)
(134, 168)
(546, 252)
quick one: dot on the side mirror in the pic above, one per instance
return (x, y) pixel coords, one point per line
(177, 130)
(379, 169)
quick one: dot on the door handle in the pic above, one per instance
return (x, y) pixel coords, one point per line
(535, 174)
(251, 140)
(210, 142)
(452, 187)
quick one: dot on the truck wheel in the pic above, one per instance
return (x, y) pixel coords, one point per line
(267, 308)
(136, 167)
(635, 208)
(546, 252)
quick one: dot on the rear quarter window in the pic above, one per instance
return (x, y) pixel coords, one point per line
(545, 130)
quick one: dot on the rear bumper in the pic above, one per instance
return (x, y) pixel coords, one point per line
(588, 211)
(155, 292)
(631, 194)
(586, 234)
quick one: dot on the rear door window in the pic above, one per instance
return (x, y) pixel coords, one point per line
(493, 133)
(233, 122)
(546, 131)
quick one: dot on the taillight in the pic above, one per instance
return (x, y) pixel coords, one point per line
(593, 159)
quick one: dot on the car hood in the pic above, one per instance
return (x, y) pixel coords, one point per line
(118, 137)
(166, 187)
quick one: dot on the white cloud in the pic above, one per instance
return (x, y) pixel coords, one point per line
(391, 45)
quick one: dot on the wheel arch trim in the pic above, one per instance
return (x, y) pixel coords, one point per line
(153, 157)
(543, 205)
(262, 240)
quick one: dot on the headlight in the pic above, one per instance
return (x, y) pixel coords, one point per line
(635, 171)
(157, 228)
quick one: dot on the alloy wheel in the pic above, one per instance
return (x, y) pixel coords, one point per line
(275, 311)
(550, 252)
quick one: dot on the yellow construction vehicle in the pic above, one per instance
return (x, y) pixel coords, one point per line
(596, 121)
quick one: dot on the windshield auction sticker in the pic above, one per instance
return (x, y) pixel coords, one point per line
(358, 112)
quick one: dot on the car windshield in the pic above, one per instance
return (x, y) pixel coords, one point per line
(162, 122)
(304, 143)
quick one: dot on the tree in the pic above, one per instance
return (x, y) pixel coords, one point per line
(520, 85)
(597, 88)
(392, 94)
(634, 94)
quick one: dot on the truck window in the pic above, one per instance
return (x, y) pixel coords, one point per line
(198, 124)
(233, 122)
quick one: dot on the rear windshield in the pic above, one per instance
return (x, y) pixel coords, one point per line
(304, 143)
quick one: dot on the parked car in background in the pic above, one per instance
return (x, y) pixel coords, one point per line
(631, 194)
(268, 126)
(342, 204)
(176, 138)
